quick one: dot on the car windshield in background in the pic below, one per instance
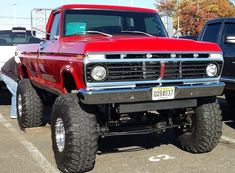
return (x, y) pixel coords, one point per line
(12, 38)
(77, 22)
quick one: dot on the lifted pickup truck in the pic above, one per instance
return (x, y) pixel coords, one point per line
(114, 71)
(222, 32)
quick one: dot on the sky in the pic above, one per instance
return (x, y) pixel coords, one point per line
(22, 8)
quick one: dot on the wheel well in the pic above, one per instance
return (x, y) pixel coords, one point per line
(24, 72)
(69, 82)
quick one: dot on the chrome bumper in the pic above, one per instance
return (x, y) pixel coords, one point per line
(145, 94)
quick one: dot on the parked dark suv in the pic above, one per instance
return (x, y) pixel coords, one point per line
(222, 32)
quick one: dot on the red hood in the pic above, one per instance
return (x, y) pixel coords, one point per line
(118, 43)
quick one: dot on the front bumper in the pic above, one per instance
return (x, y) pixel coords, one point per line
(145, 94)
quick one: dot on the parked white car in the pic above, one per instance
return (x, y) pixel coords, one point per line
(9, 39)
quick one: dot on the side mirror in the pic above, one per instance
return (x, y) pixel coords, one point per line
(229, 39)
(39, 19)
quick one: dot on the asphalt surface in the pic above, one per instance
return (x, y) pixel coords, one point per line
(31, 152)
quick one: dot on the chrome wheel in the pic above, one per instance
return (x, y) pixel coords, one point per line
(60, 134)
(19, 105)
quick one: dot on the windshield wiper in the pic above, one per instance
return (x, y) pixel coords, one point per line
(98, 32)
(138, 32)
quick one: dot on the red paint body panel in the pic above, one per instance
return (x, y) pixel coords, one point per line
(28, 55)
(82, 45)
(46, 67)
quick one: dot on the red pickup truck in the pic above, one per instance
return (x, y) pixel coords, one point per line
(112, 71)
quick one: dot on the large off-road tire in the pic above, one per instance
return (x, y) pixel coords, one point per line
(230, 99)
(205, 133)
(74, 134)
(29, 106)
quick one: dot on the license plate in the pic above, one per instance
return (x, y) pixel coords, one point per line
(163, 93)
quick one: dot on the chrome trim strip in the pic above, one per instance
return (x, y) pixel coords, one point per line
(87, 60)
(112, 87)
(105, 85)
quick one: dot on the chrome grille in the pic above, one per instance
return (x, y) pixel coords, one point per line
(128, 71)
(193, 69)
(126, 67)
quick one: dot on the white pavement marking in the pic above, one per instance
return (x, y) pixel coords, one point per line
(38, 157)
(225, 138)
(160, 158)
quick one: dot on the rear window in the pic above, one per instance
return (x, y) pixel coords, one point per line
(12, 38)
(229, 28)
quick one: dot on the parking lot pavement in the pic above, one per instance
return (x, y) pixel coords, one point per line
(32, 151)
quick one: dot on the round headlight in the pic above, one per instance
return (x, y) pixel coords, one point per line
(98, 73)
(212, 70)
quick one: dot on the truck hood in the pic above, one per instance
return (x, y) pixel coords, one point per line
(134, 44)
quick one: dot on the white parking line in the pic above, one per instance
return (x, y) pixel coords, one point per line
(38, 157)
(228, 139)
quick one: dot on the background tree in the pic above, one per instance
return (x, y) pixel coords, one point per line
(192, 14)
(167, 7)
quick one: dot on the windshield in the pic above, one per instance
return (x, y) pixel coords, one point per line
(77, 22)
(13, 38)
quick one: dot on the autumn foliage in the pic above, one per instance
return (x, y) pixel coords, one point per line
(192, 14)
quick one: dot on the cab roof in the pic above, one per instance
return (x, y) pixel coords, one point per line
(107, 7)
(220, 20)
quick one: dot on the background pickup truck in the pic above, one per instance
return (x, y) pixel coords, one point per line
(222, 32)
(112, 70)
(9, 39)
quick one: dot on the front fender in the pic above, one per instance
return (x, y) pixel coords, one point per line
(76, 70)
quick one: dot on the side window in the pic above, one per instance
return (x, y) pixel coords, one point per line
(212, 32)
(5, 38)
(55, 26)
(229, 28)
(154, 26)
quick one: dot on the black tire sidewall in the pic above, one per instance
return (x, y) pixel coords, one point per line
(76, 126)
(32, 107)
(207, 128)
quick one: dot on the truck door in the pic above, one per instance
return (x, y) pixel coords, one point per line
(48, 50)
(228, 50)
